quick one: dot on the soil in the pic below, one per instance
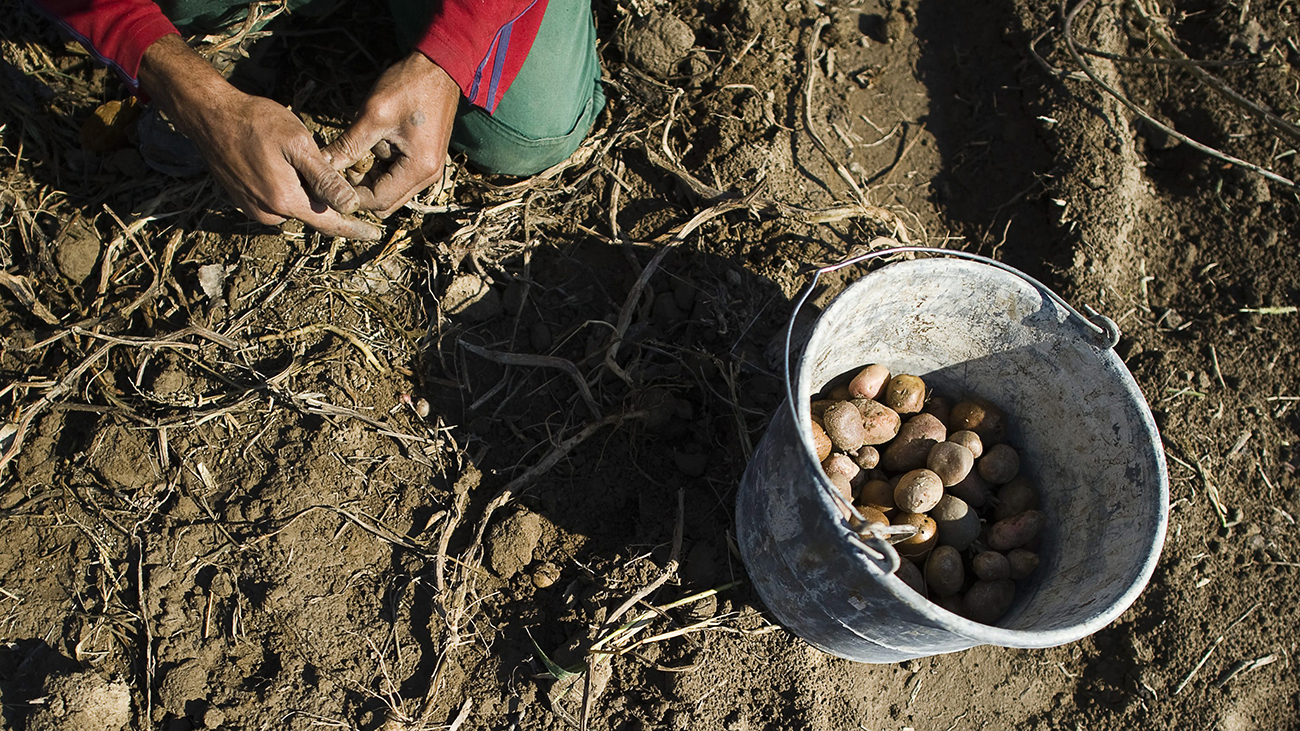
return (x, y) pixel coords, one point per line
(235, 505)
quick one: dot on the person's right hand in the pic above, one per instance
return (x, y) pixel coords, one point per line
(257, 149)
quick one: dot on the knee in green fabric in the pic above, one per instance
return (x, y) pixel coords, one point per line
(513, 146)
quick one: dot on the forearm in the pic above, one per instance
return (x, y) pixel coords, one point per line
(183, 83)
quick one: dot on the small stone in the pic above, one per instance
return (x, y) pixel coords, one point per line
(470, 298)
(546, 575)
(422, 408)
(212, 280)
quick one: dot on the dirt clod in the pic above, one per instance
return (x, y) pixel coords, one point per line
(78, 250)
(511, 542)
(471, 298)
(82, 701)
(656, 44)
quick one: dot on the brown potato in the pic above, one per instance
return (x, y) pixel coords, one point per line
(939, 407)
(986, 601)
(844, 425)
(867, 457)
(911, 575)
(880, 422)
(1015, 497)
(842, 464)
(975, 490)
(918, 491)
(968, 439)
(871, 515)
(839, 393)
(905, 394)
(981, 417)
(991, 566)
(869, 382)
(818, 407)
(1015, 531)
(1022, 562)
(951, 462)
(923, 426)
(821, 441)
(903, 455)
(952, 603)
(841, 483)
(877, 494)
(958, 524)
(918, 546)
(999, 464)
(944, 573)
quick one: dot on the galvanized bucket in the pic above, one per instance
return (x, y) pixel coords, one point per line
(969, 326)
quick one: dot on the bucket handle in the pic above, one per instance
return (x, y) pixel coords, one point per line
(875, 539)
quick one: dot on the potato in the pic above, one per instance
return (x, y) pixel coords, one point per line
(903, 455)
(975, 490)
(877, 494)
(867, 457)
(869, 382)
(905, 394)
(918, 491)
(871, 515)
(999, 464)
(842, 464)
(986, 601)
(839, 393)
(841, 483)
(1022, 562)
(844, 425)
(1015, 497)
(821, 442)
(818, 407)
(939, 407)
(957, 523)
(944, 573)
(952, 603)
(968, 439)
(880, 422)
(1015, 531)
(923, 426)
(951, 462)
(911, 575)
(918, 546)
(981, 417)
(991, 566)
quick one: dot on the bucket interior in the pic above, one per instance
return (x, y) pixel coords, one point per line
(1081, 425)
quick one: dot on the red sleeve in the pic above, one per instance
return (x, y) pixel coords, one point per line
(482, 44)
(116, 32)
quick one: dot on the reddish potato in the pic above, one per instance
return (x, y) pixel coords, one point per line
(923, 426)
(842, 464)
(880, 422)
(843, 424)
(951, 462)
(968, 439)
(902, 455)
(1015, 531)
(841, 483)
(905, 394)
(869, 382)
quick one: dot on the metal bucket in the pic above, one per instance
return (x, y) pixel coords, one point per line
(1086, 436)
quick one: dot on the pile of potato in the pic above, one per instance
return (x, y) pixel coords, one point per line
(904, 456)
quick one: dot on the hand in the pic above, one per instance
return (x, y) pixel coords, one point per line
(258, 150)
(406, 122)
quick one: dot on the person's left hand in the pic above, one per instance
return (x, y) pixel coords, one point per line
(406, 122)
